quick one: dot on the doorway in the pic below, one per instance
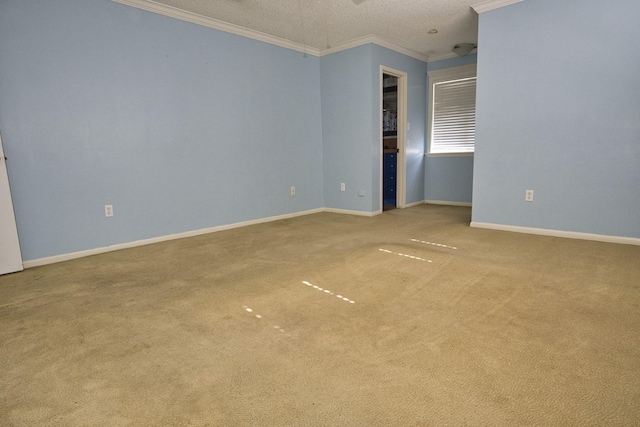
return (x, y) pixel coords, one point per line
(10, 257)
(393, 90)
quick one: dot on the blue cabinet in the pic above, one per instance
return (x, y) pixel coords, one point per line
(389, 165)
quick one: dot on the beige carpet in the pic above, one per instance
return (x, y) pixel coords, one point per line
(410, 318)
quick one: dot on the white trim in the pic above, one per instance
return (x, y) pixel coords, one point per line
(194, 18)
(350, 212)
(205, 21)
(361, 41)
(395, 47)
(401, 180)
(11, 256)
(410, 205)
(442, 56)
(559, 233)
(488, 5)
(447, 203)
(373, 39)
(499, 227)
(89, 252)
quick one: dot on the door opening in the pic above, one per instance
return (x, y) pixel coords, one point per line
(393, 136)
(10, 257)
(389, 141)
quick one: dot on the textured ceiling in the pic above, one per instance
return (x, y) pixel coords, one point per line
(322, 24)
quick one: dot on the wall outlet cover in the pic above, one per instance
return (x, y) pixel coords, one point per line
(528, 195)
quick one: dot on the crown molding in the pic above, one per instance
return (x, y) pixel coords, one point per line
(395, 47)
(373, 39)
(361, 41)
(194, 18)
(442, 56)
(488, 5)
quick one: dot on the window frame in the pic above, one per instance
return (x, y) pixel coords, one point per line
(440, 76)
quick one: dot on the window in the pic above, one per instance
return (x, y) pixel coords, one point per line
(452, 111)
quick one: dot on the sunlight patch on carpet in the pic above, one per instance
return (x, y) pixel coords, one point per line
(327, 291)
(440, 245)
(259, 316)
(404, 255)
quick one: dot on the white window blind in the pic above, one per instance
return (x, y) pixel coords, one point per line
(453, 127)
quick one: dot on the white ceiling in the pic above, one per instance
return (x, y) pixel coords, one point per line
(325, 24)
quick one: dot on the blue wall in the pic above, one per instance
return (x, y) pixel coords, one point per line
(558, 108)
(416, 117)
(347, 129)
(351, 125)
(181, 127)
(448, 179)
(178, 126)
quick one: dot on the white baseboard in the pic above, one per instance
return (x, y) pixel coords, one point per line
(558, 233)
(447, 203)
(96, 251)
(410, 205)
(349, 212)
(500, 227)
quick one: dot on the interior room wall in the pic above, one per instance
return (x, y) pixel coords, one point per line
(178, 126)
(416, 118)
(347, 128)
(558, 102)
(448, 179)
(181, 127)
(351, 125)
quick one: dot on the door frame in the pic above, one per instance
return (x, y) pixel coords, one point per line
(401, 170)
(11, 258)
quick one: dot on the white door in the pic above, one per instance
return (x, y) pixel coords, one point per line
(10, 258)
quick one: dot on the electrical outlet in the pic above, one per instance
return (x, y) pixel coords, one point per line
(528, 195)
(343, 187)
(293, 190)
(108, 210)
